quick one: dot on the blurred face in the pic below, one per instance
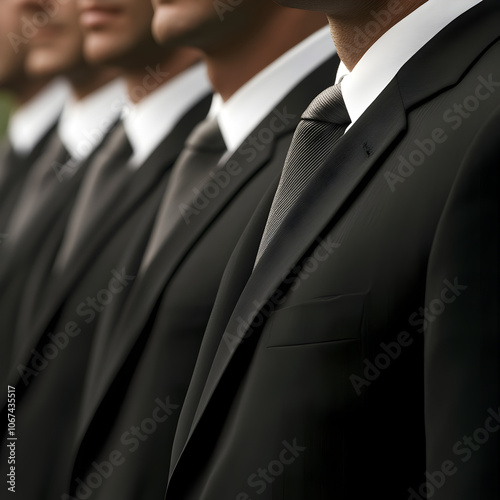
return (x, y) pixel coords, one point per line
(55, 38)
(117, 31)
(207, 24)
(12, 49)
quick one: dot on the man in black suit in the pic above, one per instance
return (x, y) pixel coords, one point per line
(54, 49)
(353, 346)
(37, 103)
(70, 285)
(147, 341)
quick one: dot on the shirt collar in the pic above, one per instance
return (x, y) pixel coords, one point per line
(148, 122)
(84, 123)
(32, 120)
(380, 64)
(240, 114)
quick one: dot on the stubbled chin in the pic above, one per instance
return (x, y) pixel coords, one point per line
(162, 26)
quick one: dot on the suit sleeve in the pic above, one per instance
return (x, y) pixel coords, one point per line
(462, 347)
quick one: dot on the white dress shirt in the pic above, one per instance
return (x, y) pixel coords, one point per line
(32, 120)
(380, 64)
(245, 109)
(84, 123)
(149, 121)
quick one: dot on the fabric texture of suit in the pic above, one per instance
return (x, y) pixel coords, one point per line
(363, 348)
(146, 346)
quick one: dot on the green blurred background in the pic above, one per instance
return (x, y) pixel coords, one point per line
(5, 105)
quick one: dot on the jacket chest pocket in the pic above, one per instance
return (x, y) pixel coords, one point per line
(326, 319)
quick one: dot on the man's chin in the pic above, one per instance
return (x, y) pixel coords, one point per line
(44, 61)
(98, 51)
(158, 30)
(167, 33)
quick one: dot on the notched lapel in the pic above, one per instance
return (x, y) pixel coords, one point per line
(464, 42)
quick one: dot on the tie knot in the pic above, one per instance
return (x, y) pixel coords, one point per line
(329, 106)
(206, 136)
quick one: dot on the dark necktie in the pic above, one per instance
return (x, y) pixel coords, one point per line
(43, 180)
(323, 124)
(203, 149)
(104, 181)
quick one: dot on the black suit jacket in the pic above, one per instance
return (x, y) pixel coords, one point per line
(363, 348)
(41, 236)
(146, 348)
(13, 171)
(61, 311)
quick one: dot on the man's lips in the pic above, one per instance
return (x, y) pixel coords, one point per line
(95, 17)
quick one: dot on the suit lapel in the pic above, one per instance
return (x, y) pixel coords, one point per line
(23, 163)
(352, 160)
(42, 144)
(234, 280)
(12, 172)
(183, 237)
(37, 230)
(53, 201)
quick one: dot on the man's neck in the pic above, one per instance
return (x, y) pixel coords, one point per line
(355, 32)
(87, 80)
(233, 65)
(144, 79)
